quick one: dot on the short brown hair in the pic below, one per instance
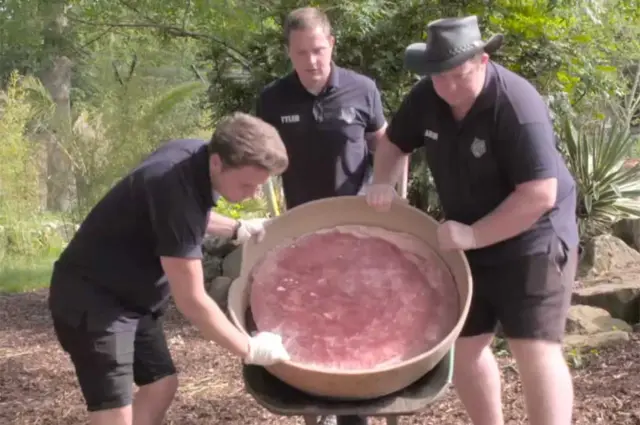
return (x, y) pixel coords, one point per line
(305, 18)
(245, 140)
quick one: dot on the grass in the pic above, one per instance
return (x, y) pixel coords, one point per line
(25, 274)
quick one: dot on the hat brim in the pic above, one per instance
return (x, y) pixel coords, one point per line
(416, 57)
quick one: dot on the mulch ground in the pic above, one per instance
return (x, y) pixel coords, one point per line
(37, 385)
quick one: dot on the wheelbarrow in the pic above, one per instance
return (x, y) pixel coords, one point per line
(281, 399)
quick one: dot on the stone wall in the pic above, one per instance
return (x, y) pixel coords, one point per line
(606, 297)
(221, 263)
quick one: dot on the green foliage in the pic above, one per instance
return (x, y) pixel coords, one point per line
(140, 67)
(29, 238)
(20, 274)
(422, 191)
(19, 172)
(251, 208)
(570, 50)
(124, 119)
(607, 190)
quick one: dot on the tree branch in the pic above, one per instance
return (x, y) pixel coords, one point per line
(96, 38)
(187, 9)
(234, 53)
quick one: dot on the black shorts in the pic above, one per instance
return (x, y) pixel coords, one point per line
(529, 296)
(108, 363)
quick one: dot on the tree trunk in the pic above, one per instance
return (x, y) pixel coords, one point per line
(56, 77)
(57, 80)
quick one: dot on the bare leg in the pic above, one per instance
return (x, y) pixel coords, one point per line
(546, 381)
(476, 378)
(152, 401)
(119, 416)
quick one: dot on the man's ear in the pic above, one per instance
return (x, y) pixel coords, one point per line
(215, 163)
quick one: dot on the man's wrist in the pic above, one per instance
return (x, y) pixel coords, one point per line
(481, 238)
(236, 229)
(474, 238)
(245, 349)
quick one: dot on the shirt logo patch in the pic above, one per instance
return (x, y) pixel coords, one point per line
(289, 119)
(478, 147)
(431, 134)
(347, 115)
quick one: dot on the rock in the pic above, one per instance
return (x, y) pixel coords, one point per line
(232, 262)
(218, 247)
(218, 289)
(586, 320)
(591, 327)
(595, 340)
(629, 231)
(606, 253)
(619, 299)
(214, 250)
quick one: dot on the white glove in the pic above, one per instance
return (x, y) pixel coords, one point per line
(249, 228)
(379, 196)
(265, 349)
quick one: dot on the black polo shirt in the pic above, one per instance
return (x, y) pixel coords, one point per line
(506, 139)
(110, 272)
(324, 134)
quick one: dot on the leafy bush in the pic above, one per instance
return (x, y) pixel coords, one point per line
(29, 238)
(250, 208)
(19, 171)
(20, 197)
(608, 191)
(422, 192)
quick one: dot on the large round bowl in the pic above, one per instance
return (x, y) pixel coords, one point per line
(331, 212)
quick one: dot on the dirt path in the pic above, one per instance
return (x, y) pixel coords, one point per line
(37, 385)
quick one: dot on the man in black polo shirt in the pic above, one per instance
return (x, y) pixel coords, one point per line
(509, 203)
(329, 117)
(140, 245)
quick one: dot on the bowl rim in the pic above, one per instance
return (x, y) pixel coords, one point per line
(445, 341)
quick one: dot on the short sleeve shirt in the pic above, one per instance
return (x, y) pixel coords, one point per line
(506, 139)
(111, 268)
(324, 134)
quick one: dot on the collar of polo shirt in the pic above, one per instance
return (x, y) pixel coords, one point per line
(332, 82)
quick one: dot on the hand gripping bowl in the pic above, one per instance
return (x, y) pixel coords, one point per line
(331, 212)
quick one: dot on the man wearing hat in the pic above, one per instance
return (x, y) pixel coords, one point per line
(509, 202)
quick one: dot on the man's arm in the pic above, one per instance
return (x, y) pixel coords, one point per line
(178, 224)
(376, 125)
(378, 138)
(524, 206)
(530, 161)
(220, 225)
(396, 142)
(186, 281)
(389, 162)
(374, 137)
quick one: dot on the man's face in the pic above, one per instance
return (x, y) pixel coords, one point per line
(460, 86)
(236, 184)
(310, 51)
